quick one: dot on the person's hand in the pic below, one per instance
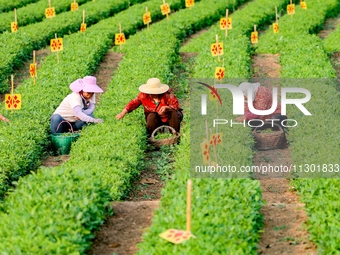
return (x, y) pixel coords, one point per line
(121, 115)
(98, 121)
(240, 118)
(164, 109)
(3, 118)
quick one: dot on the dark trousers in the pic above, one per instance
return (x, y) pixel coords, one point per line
(56, 127)
(153, 121)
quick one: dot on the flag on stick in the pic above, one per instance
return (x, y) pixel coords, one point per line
(178, 236)
(14, 25)
(254, 36)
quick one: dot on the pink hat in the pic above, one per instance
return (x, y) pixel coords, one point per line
(87, 84)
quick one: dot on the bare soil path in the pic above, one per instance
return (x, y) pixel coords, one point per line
(284, 229)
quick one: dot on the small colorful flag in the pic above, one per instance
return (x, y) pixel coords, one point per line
(165, 8)
(216, 49)
(83, 27)
(50, 12)
(74, 6)
(147, 18)
(33, 70)
(291, 9)
(120, 39)
(205, 149)
(215, 139)
(175, 236)
(14, 26)
(57, 44)
(303, 5)
(219, 73)
(254, 37)
(276, 27)
(13, 101)
(226, 25)
(189, 3)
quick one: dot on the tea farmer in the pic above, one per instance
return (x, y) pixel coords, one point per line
(160, 106)
(2, 118)
(262, 100)
(77, 108)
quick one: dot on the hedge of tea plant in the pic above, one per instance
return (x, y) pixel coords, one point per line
(331, 42)
(33, 13)
(6, 5)
(18, 47)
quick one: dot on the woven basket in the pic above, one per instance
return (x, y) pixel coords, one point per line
(167, 141)
(276, 139)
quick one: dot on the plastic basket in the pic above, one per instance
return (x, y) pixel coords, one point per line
(61, 142)
(276, 139)
(167, 141)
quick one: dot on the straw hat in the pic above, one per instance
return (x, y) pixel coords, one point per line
(87, 84)
(154, 86)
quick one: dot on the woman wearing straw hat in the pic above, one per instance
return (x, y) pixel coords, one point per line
(160, 106)
(77, 108)
(3, 118)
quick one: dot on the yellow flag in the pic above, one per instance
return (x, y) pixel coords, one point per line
(13, 101)
(303, 5)
(14, 26)
(165, 8)
(205, 149)
(175, 236)
(57, 44)
(216, 49)
(83, 27)
(147, 18)
(254, 37)
(276, 27)
(33, 70)
(291, 9)
(189, 3)
(120, 39)
(219, 73)
(50, 12)
(215, 139)
(74, 6)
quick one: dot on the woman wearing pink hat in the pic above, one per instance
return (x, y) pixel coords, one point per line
(160, 106)
(78, 107)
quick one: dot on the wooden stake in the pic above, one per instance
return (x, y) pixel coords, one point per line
(188, 229)
(15, 15)
(57, 51)
(12, 91)
(218, 48)
(276, 16)
(120, 31)
(83, 16)
(49, 3)
(226, 16)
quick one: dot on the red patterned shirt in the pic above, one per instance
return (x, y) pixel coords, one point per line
(166, 99)
(263, 101)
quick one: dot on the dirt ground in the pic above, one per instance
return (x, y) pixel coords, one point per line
(284, 230)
